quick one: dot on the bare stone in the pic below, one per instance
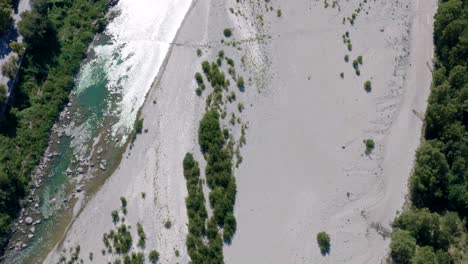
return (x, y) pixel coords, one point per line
(29, 220)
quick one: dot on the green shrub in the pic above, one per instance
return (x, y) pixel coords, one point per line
(199, 52)
(123, 201)
(221, 53)
(370, 145)
(368, 86)
(227, 32)
(350, 47)
(323, 240)
(199, 78)
(240, 106)
(198, 91)
(240, 83)
(153, 256)
(279, 13)
(230, 62)
(139, 125)
(115, 216)
(346, 58)
(359, 59)
(342, 75)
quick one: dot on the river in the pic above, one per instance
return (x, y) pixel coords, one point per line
(111, 86)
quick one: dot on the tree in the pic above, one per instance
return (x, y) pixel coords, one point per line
(153, 256)
(424, 255)
(209, 132)
(5, 16)
(33, 27)
(425, 227)
(10, 67)
(323, 240)
(17, 47)
(3, 92)
(429, 182)
(402, 246)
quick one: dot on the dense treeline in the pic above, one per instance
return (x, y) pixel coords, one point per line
(57, 35)
(434, 229)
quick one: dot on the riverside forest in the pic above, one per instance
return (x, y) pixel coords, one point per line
(57, 35)
(434, 229)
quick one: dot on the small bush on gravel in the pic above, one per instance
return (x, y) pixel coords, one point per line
(323, 240)
(227, 32)
(368, 86)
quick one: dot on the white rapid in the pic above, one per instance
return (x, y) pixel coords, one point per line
(140, 37)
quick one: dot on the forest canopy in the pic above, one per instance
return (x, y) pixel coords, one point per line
(434, 229)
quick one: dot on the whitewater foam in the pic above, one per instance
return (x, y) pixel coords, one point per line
(140, 38)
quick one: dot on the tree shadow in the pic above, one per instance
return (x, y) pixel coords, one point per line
(325, 252)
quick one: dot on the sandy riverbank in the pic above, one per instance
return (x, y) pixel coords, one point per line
(296, 178)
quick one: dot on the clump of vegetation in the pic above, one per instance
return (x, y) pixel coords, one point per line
(115, 217)
(10, 67)
(342, 75)
(346, 58)
(141, 236)
(359, 59)
(199, 52)
(240, 106)
(230, 62)
(279, 13)
(153, 256)
(323, 240)
(139, 125)
(227, 32)
(370, 145)
(368, 86)
(199, 78)
(240, 83)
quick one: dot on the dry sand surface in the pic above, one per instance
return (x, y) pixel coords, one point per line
(304, 166)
